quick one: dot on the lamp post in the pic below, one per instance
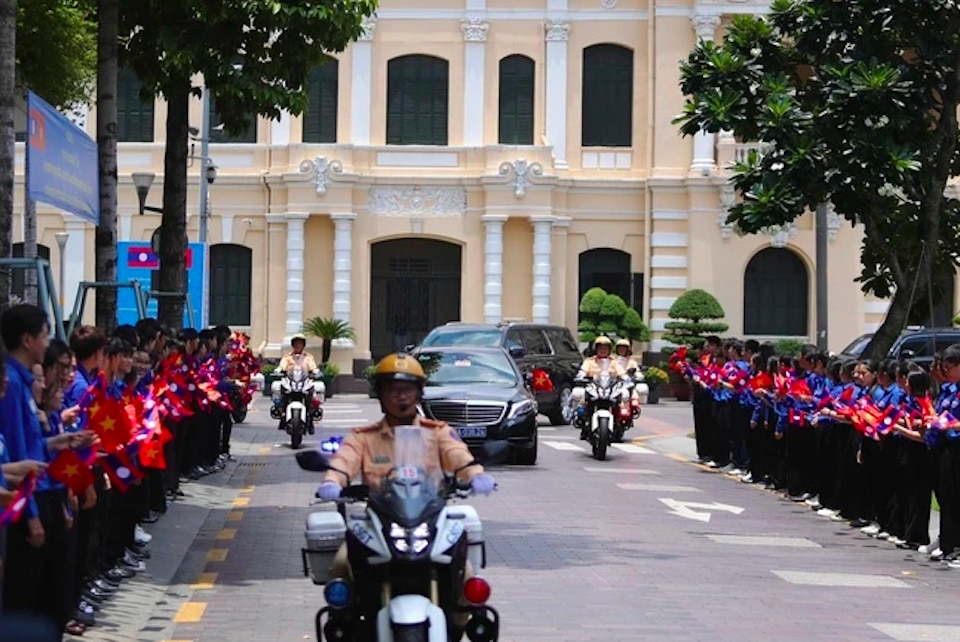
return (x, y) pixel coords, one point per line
(62, 238)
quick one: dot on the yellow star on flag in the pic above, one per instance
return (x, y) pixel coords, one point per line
(71, 470)
(108, 424)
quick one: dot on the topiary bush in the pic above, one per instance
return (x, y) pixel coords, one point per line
(696, 312)
(609, 314)
(788, 347)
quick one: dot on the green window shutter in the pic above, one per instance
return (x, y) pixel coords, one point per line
(231, 279)
(134, 117)
(517, 75)
(607, 119)
(320, 118)
(418, 91)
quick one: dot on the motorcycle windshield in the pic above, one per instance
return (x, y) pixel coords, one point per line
(297, 375)
(411, 491)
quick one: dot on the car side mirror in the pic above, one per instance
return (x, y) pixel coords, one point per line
(908, 354)
(517, 352)
(409, 347)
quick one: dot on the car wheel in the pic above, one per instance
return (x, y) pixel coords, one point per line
(562, 415)
(527, 456)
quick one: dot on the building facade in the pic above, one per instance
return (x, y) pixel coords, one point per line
(479, 160)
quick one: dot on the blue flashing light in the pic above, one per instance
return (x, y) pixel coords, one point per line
(332, 444)
(337, 593)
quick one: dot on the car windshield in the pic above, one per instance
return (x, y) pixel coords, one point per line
(480, 337)
(856, 348)
(459, 368)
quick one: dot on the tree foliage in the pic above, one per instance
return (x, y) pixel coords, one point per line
(695, 312)
(57, 49)
(609, 314)
(856, 103)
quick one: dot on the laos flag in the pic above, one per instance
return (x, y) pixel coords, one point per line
(141, 256)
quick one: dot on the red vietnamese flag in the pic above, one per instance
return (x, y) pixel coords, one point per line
(67, 468)
(541, 381)
(111, 420)
(761, 381)
(151, 455)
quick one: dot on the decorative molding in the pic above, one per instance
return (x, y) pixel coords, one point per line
(780, 235)
(521, 171)
(705, 25)
(727, 199)
(323, 170)
(474, 30)
(608, 4)
(369, 26)
(557, 30)
(834, 221)
(437, 202)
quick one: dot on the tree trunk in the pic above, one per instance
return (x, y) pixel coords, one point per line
(30, 294)
(173, 226)
(325, 350)
(8, 32)
(108, 18)
(893, 324)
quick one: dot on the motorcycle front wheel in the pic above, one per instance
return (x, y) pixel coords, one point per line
(296, 432)
(409, 634)
(602, 439)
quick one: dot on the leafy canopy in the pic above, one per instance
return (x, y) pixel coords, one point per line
(57, 50)
(255, 55)
(695, 313)
(856, 102)
(609, 314)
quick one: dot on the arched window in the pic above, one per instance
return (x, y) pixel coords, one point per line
(18, 275)
(516, 100)
(607, 119)
(609, 268)
(231, 279)
(320, 118)
(418, 90)
(134, 116)
(775, 294)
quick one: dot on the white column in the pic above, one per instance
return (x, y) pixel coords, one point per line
(493, 268)
(475, 37)
(342, 269)
(280, 129)
(296, 227)
(704, 143)
(75, 259)
(557, 33)
(361, 83)
(542, 249)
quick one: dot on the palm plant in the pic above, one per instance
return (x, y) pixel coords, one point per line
(329, 330)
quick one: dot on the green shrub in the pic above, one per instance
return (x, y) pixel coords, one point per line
(609, 314)
(788, 347)
(696, 312)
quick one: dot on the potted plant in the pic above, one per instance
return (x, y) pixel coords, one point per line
(695, 315)
(329, 372)
(328, 330)
(368, 375)
(654, 378)
(608, 314)
(269, 372)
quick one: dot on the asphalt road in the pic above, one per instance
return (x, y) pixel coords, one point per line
(644, 546)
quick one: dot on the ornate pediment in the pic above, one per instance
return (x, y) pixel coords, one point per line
(417, 202)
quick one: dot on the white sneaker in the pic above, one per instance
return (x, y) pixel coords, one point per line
(884, 535)
(838, 518)
(872, 529)
(736, 472)
(937, 554)
(954, 563)
(747, 478)
(826, 512)
(141, 536)
(926, 549)
(813, 501)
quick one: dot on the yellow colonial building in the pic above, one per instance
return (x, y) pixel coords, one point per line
(483, 160)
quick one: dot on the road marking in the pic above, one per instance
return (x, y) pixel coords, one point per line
(342, 411)
(625, 471)
(190, 612)
(916, 632)
(217, 554)
(546, 429)
(239, 502)
(663, 488)
(564, 437)
(263, 450)
(634, 449)
(205, 581)
(685, 509)
(852, 580)
(761, 540)
(235, 516)
(227, 533)
(561, 445)
(346, 422)
(677, 457)
(247, 489)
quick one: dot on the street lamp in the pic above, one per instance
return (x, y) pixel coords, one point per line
(143, 181)
(62, 238)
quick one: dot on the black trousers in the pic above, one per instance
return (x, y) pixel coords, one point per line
(188, 440)
(37, 581)
(171, 474)
(758, 448)
(910, 514)
(703, 421)
(855, 494)
(226, 431)
(720, 448)
(210, 440)
(948, 455)
(801, 459)
(879, 471)
(825, 462)
(125, 514)
(156, 492)
(739, 417)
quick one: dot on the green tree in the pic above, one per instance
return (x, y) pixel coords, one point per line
(254, 56)
(696, 312)
(328, 330)
(590, 304)
(609, 314)
(857, 105)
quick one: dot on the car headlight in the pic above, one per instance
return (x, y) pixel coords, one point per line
(406, 540)
(522, 408)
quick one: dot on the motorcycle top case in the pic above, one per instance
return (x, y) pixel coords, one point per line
(325, 532)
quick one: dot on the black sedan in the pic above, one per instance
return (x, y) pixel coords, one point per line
(482, 394)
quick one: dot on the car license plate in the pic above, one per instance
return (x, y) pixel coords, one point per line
(474, 432)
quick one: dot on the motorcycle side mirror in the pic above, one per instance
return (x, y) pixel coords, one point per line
(313, 461)
(632, 371)
(409, 348)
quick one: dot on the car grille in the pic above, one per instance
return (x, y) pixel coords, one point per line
(467, 413)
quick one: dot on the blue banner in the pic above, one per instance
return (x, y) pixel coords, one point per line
(61, 162)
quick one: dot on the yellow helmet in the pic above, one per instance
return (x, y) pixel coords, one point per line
(399, 367)
(299, 336)
(602, 341)
(623, 343)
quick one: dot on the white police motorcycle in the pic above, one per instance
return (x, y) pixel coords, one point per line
(297, 403)
(408, 553)
(603, 396)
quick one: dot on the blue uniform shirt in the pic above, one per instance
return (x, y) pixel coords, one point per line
(20, 426)
(4, 459)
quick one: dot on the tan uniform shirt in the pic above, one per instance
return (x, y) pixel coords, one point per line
(592, 366)
(304, 360)
(627, 362)
(370, 451)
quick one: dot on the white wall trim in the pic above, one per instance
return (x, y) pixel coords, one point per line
(876, 307)
(418, 159)
(473, 86)
(280, 129)
(668, 283)
(669, 262)
(658, 325)
(669, 239)
(360, 92)
(226, 229)
(670, 215)
(661, 302)
(571, 15)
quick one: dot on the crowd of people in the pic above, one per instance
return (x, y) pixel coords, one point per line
(859, 441)
(97, 436)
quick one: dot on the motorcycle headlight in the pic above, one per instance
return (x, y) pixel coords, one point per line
(524, 407)
(407, 540)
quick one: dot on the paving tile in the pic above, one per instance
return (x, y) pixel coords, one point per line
(918, 632)
(840, 579)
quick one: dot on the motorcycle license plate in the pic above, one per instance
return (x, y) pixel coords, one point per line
(472, 432)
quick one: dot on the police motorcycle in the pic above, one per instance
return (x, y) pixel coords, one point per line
(297, 403)
(626, 413)
(408, 551)
(603, 397)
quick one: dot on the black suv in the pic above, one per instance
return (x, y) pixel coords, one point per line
(550, 348)
(917, 346)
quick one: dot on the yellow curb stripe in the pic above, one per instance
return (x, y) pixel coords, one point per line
(217, 554)
(190, 612)
(239, 502)
(205, 581)
(247, 489)
(227, 533)
(263, 450)
(235, 516)
(677, 457)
